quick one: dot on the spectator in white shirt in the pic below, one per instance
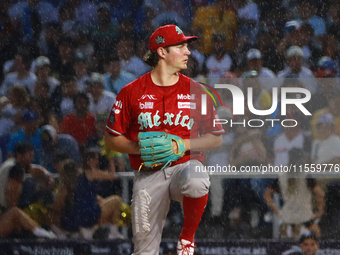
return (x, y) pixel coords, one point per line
(267, 76)
(42, 68)
(295, 69)
(101, 101)
(22, 75)
(219, 62)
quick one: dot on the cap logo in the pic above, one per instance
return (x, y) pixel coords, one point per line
(179, 31)
(159, 39)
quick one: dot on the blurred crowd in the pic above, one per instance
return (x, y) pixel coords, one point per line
(64, 61)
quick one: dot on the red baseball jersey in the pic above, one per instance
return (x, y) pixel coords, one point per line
(143, 106)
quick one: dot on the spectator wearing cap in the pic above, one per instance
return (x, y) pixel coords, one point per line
(42, 69)
(128, 60)
(330, 49)
(261, 98)
(326, 68)
(295, 69)
(80, 67)
(29, 131)
(21, 74)
(333, 108)
(219, 62)
(326, 149)
(291, 32)
(54, 144)
(100, 99)
(255, 62)
(115, 78)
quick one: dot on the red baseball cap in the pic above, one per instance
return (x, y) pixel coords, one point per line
(167, 35)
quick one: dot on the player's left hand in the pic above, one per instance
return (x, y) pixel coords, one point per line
(160, 148)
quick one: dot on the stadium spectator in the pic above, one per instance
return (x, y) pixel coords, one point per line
(266, 44)
(262, 100)
(79, 190)
(68, 22)
(265, 75)
(295, 69)
(330, 49)
(333, 107)
(30, 17)
(326, 149)
(54, 144)
(81, 123)
(248, 15)
(172, 12)
(20, 192)
(308, 245)
(63, 62)
(307, 14)
(291, 36)
(326, 68)
(217, 18)
(115, 78)
(297, 192)
(29, 131)
(122, 10)
(49, 43)
(85, 47)
(85, 12)
(42, 70)
(46, 12)
(62, 97)
(219, 62)
(109, 160)
(101, 100)
(249, 148)
(13, 105)
(80, 67)
(105, 34)
(21, 75)
(128, 60)
(14, 220)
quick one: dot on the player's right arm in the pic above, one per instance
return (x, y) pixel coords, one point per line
(119, 123)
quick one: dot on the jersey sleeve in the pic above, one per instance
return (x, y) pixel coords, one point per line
(119, 118)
